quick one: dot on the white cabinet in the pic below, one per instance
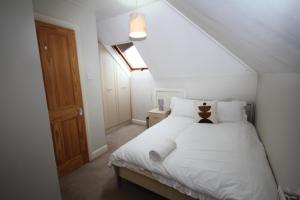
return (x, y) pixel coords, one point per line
(115, 90)
(123, 95)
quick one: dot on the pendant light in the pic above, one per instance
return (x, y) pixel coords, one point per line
(137, 25)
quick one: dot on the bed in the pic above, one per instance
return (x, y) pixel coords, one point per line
(210, 162)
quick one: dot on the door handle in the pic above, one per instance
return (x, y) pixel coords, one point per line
(80, 111)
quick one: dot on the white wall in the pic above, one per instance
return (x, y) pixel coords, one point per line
(87, 47)
(27, 168)
(142, 85)
(180, 55)
(222, 87)
(277, 120)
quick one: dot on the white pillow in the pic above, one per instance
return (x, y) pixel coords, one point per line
(205, 112)
(231, 111)
(182, 107)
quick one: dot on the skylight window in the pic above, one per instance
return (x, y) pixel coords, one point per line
(131, 56)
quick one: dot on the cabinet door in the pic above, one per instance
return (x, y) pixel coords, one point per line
(109, 87)
(123, 95)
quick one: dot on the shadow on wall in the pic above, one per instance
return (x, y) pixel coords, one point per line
(277, 120)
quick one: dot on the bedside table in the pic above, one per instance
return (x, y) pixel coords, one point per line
(156, 116)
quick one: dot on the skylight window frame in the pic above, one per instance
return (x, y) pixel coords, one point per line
(120, 53)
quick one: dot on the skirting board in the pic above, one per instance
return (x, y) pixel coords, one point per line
(139, 122)
(280, 193)
(98, 152)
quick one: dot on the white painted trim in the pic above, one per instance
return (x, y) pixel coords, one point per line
(56, 21)
(170, 90)
(82, 72)
(156, 90)
(139, 122)
(247, 67)
(98, 152)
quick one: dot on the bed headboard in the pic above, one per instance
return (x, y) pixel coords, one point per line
(166, 94)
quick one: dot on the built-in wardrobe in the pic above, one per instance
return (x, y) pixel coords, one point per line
(115, 91)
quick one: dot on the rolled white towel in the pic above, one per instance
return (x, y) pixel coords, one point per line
(161, 150)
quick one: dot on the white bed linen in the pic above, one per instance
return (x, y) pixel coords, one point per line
(161, 150)
(136, 151)
(223, 161)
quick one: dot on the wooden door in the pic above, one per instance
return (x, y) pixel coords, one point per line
(108, 72)
(58, 55)
(123, 95)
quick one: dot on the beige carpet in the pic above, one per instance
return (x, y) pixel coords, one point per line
(96, 181)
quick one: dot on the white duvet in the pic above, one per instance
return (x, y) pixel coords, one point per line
(211, 161)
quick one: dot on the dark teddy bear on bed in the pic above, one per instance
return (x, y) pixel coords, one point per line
(204, 114)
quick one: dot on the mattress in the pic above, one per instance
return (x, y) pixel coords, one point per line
(219, 161)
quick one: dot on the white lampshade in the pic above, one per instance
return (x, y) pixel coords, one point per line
(137, 26)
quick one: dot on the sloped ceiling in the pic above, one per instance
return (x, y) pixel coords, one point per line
(174, 46)
(110, 8)
(263, 33)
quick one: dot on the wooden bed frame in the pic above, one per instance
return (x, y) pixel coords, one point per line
(147, 181)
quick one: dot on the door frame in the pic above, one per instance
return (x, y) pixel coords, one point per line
(65, 24)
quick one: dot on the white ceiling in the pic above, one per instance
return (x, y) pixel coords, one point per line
(110, 8)
(265, 34)
(174, 46)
